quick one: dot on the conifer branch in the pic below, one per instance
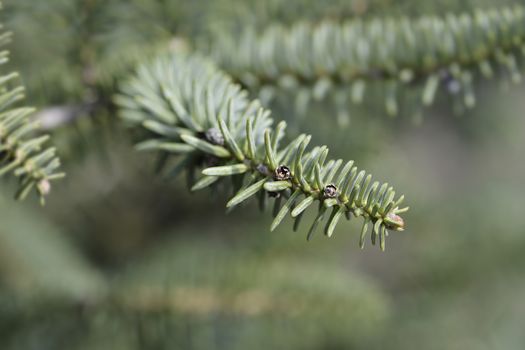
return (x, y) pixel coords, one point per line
(429, 51)
(192, 109)
(23, 152)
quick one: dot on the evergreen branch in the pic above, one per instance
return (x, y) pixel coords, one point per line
(185, 102)
(429, 51)
(23, 152)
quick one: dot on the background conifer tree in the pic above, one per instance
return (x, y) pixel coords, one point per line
(165, 114)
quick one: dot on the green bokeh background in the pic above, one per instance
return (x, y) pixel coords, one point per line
(124, 258)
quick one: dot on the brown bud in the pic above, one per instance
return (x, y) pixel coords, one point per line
(330, 191)
(394, 222)
(282, 173)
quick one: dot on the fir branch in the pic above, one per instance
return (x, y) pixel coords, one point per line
(430, 51)
(192, 109)
(23, 152)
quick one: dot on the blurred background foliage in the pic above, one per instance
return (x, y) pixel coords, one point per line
(124, 258)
